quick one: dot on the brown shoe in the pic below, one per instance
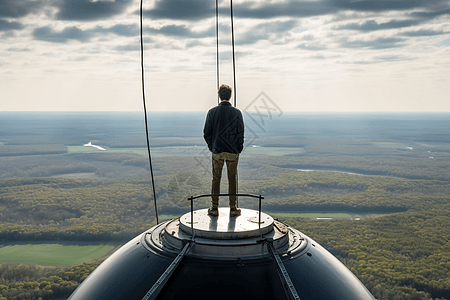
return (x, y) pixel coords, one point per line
(234, 212)
(213, 211)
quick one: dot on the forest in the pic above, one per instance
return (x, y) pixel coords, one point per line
(401, 255)
(399, 248)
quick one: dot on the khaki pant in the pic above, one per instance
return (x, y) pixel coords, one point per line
(217, 165)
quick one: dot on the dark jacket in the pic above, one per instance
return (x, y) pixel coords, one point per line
(224, 129)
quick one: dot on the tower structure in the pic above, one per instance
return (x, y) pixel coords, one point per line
(198, 256)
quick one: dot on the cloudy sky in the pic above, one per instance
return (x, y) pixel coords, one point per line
(306, 55)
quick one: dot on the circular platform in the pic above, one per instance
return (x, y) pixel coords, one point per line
(226, 227)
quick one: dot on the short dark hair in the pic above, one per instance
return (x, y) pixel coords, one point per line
(224, 92)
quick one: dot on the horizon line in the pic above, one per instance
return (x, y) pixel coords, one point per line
(203, 111)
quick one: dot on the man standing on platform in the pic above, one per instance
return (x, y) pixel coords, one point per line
(224, 134)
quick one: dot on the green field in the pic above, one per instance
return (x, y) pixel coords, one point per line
(311, 215)
(52, 254)
(167, 217)
(275, 151)
(141, 151)
(75, 149)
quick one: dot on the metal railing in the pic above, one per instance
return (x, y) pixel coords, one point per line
(289, 287)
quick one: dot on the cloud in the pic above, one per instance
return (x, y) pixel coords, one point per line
(444, 43)
(379, 43)
(428, 11)
(69, 33)
(87, 10)
(181, 31)
(74, 33)
(372, 25)
(126, 48)
(266, 31)
(17, 9)
(6, 25)
(125, 30)
(379, 59)
(15, 49)
(128, 30)
(380, 5)
(284, 9)
(119, 29)
(167, 30)
(135, 45)
(191, 10)
(432, 14)
(194, 10)
(194, 43)
(391, 58)
(311, 46)
(172, 30)
(311, 8)
(424, 32)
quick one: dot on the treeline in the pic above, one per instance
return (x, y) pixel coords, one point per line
(135, 140)
(371, 159)
(94, 232)
(65, 209)
(382, 252)
(327, 190)
(399, 256)
(106, 165)
(19, 150)
(27, 281)
(416, 167)
(83, 208)
(402, 256)
(403, 166)
(75, 202)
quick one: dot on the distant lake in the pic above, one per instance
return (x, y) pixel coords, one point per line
(350, 173)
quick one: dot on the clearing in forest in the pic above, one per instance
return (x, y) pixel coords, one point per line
(53, 254)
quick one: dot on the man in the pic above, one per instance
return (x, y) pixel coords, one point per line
(224, 134)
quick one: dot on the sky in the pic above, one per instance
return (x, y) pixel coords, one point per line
(297, 55)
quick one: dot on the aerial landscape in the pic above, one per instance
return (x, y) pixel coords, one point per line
(372, 188)
(347, 130)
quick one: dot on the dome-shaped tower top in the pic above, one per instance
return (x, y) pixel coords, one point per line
(223, 237)
(199, 256)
